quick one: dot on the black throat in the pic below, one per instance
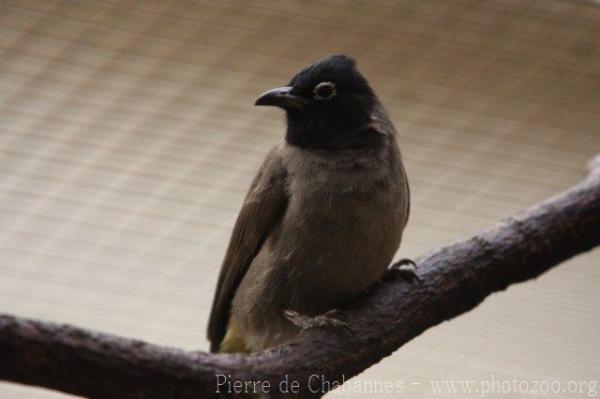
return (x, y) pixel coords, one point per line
(321, 130)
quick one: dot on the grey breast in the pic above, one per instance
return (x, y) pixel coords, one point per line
(343, 224)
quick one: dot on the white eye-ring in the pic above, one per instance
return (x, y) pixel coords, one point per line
(324, 91)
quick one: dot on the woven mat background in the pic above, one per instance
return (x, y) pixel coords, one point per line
(128, 139)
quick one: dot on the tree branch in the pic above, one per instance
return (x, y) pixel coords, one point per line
(456, 279)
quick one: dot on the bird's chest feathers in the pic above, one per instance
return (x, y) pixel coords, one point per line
(339, 176)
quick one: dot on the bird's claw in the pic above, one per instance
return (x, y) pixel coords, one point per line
(405, 269)
(333, 319)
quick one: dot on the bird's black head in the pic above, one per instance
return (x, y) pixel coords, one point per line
(328, 105)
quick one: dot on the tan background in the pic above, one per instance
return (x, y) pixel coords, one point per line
(128, 138)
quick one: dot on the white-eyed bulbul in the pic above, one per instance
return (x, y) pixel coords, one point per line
(323, 217)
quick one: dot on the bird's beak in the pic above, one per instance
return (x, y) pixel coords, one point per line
(281, 97)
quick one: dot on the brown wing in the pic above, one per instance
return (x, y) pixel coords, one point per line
(263, 208)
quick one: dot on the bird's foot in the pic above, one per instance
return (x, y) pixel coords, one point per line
(405, 269)
(334, 319)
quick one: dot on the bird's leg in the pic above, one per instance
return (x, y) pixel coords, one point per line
(405, 269)
(333, 319)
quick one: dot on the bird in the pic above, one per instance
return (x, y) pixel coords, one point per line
(323, 217)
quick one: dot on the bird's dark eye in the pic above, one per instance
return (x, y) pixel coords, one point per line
(324, 91)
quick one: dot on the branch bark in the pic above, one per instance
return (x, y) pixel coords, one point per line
(455, 279)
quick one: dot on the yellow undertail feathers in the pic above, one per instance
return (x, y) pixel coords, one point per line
(233, 341)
